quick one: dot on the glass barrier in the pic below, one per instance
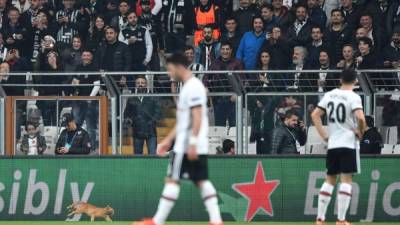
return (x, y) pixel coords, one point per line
(387, 120)
(148, 118)
(39, 125)
(265, 118)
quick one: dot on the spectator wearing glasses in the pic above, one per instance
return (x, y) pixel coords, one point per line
(33, 143)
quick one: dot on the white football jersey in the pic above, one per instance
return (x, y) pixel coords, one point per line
(193, 93)
(339, 106)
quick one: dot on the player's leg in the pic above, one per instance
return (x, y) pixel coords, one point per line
(344, 196)
(348, 166)
(325, 193)
(324, 197)
(167, 201)
(210, 199)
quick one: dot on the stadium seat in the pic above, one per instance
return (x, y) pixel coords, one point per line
(396, 150)
(387, 149)
(392, 136)
(314, 142)
(317, 149)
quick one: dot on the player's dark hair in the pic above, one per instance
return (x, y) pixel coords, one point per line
(348, 76)
(178, 59)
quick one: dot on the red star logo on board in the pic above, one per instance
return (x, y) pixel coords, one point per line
(258, 193)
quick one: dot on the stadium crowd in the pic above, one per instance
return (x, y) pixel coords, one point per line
(129, 35)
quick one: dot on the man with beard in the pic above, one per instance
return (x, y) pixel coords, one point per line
(153, 25)
(143, 113)
(114, 56)
(208, 49)
(298, 33)
(139, 42)
(251, 43)
(298, 81)
(337, 34)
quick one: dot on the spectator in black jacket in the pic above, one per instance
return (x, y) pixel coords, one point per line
(298, 33)
(86, 110)
(115, 56)
(121, 20)
(316, 45)
(74, 139)
(16, 64)
(267, 13)
(97, 35)
(375, 33)
(153, 25)
(244, 16)
(289, 136)
(139, 43)
(351, 13)
(391, 53)
(317, 16)
(325, 81)
(282, 15)
(278, 48)
(337, 35)
(393, 17)
(15, 33)
(231, 33)
(178, 22)
(371, 142)
(298, 81)
(143, 113)
(368, 58)
(71, 55)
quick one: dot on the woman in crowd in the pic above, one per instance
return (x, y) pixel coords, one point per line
(97, 34)
(348, 58)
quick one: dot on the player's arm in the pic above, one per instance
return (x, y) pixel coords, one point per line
(361, 122)
(196, 124)
(166, 144)
(317, 121)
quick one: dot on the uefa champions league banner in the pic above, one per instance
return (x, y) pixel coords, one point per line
(249, 189)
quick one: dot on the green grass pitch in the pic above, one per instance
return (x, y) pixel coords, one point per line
(170, 223)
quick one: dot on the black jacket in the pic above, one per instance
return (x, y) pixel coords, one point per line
(372, 142)
(244, 18)
(78, 139)
(180, 22)
(85, 79)
(317, 16)
(336, 40)
(121, 57)
(302, 38)
(144, 115)
(234, 40)
(283, 140)
(280, 53)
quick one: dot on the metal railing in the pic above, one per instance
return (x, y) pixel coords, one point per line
(242, 84)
